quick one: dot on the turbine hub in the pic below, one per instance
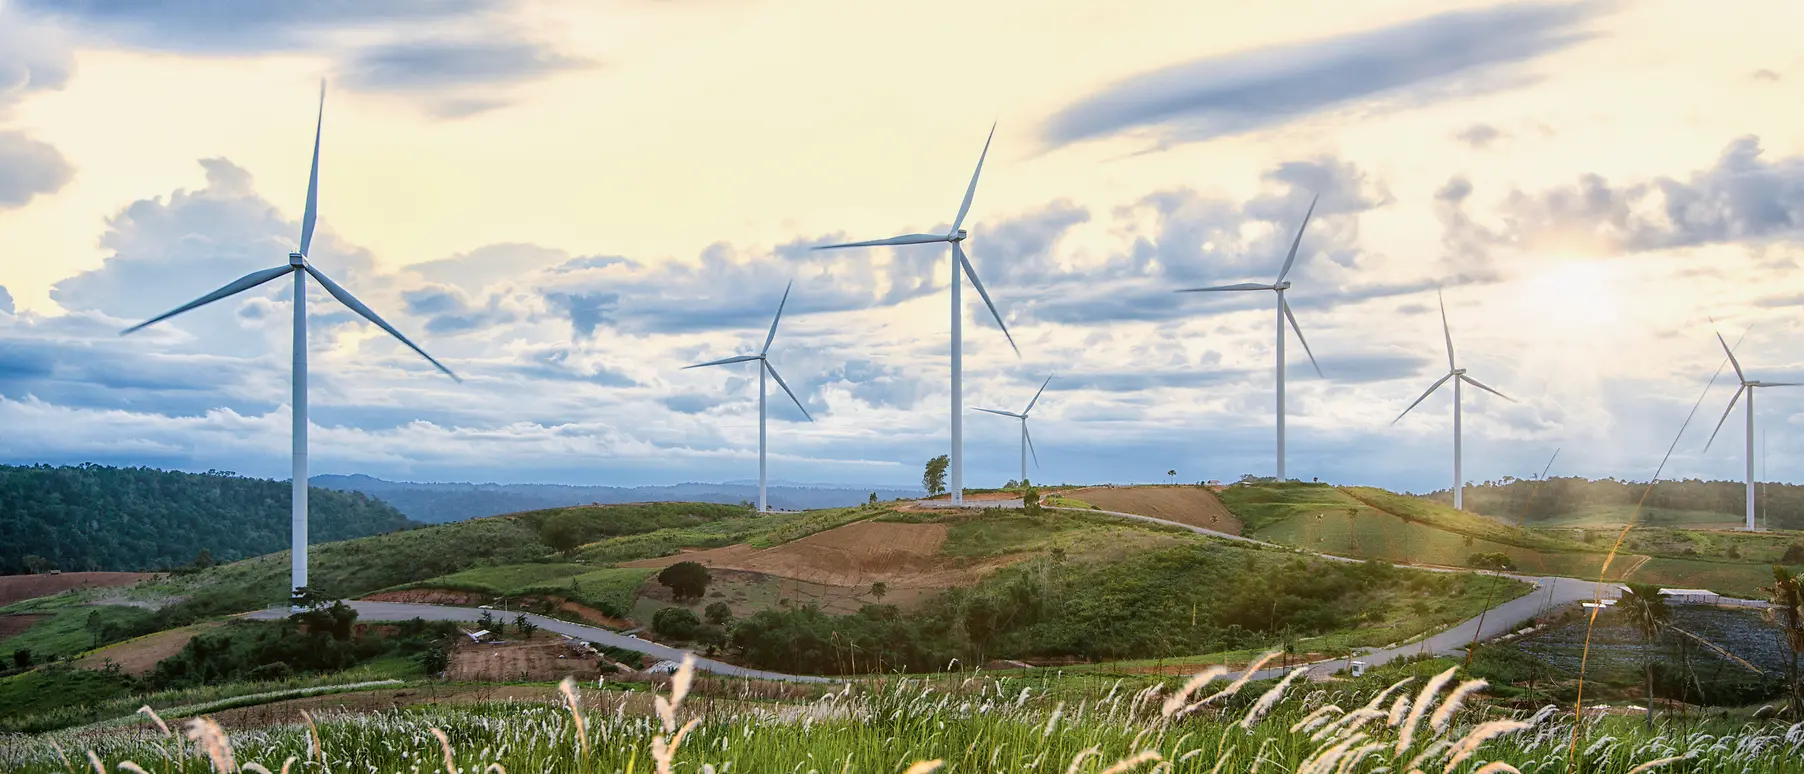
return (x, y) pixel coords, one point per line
(1285, 285)
(959, 235)
(297, 260)
(1459, 372)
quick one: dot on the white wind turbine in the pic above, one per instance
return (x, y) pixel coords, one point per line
(1283, 314)
(763, 365)
(1747, 386)
(955, 236)
(1458, 375)
(300, 268)
(1027, 441)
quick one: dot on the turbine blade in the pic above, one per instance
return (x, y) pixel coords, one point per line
(1430, 391)
(235, 287)
(1719, 422)
(998, 413)
(723, 361)
(1556, 455)
(1291, 259)
(1446, 331)
(773, 320)
(312, 212)
(345, 297)
(905, 239)
(1030, 442)
(792, 396)
(977, 283)
(1300, 340)
(1739, 376)
(971, 191)
(1030, 404)
(1241, 286)
(1778, 384)
(1481, 385)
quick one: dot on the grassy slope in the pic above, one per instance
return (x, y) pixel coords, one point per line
(760, 530)
(65, 632)
(608, 589)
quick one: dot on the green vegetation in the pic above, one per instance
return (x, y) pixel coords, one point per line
(687, 581)
(317, 642)
(1571, 501)
(760, 530)
(1444, 517)
(93, 517)
(934, 479)
(70, 628)
(607, 589)
(998, 534)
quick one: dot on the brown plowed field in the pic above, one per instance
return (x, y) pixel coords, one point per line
(141, 655)
(900, 555)
(16, 624)
(1191, 505)
(15, 588)
(537, 661)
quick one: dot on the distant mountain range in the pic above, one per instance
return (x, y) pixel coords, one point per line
(442, 502)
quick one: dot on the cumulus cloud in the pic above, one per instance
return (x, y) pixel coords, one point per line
(29, 168)
(1479, 136)
(1450, 55)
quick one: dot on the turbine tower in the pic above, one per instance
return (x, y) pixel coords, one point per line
(301, 269)
(956, 236)
(763, 366)
(1283, 314)
(1457, 375)
(1027, 441)
(1747, 386)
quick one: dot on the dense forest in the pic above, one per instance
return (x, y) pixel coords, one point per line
(92, 517)
(1782, 505)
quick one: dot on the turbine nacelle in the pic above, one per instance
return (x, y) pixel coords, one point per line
(297, 260)
(1459, 372)
(956, 236)
(1282, 286)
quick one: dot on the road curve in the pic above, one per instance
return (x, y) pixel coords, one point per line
(402, 611)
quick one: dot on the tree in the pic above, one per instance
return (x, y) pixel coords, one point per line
(1012, 484)
(524, 627)
(873, 499)
(565, 533)
(1173, 474)
(1030, 501)
(95, 628)
(435, 660)
(22, 658)
(36, 565)
(879, 589)
(486, 621)
(687, 580)
(677, 623)
(934, 480)
(1647, 612)
(1787, 597)
(1491, 560)
(718, 614)
(202, 559)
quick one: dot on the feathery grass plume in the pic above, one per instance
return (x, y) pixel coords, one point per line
(1221, 759)
(1654, 764)
(1423, 701)
(1346, 724)
(288, 763)
(157, 719)
(1360, 753)
(1398, 708)
(136, 769)
(313, 735)
(1378, 699)
(1499, 767)
(67, 766)
(1324, 758)
(1078, 759)
(1053, 721)
(211, 738)
(1269, 698)
(254, 766)
(925, 767)
(1444, 715)
(1429, 754)
(1175, 702)
(496, 768)
(100, 768)
(1133, 762)
(1311, 720)
(1240, 682)
(574, 703)
(444, 744)
(664, 753)
(1485, 732)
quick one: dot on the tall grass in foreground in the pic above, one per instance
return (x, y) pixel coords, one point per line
(984, 725)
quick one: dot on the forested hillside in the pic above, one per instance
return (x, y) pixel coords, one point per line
(92, 517)
(1781, 505)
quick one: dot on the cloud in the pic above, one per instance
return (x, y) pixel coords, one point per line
(29, 168)
(691, 404)
(424, 65)
(1766, 75)
(243, 26)
(1447, 56)
(6, 301)
(1479, 136)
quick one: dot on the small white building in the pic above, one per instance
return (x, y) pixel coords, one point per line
(1690, 596)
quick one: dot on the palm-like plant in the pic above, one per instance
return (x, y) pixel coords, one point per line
(1787, 611)
(1647, 611)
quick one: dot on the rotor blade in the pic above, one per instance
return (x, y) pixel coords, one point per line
(1778, 384)
(724, 361)
(792, 396)
(998, 413)
(312, 213)
(1480, 385)
(1291, 259)
(905, 239)
(977, 283)
(773, 320)
(1446, 331)
(1430, 391)
(1719, 422)
(235, 287)
(1241, 286)
(1300, 340)
(1030, 404)
(345, 297)
(1556, 455)
(971, 191)
(1030, 442)
(1732, 361)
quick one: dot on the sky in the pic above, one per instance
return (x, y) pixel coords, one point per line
(568, 202)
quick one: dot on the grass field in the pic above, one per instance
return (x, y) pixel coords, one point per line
(1193, 505)
(1735, 579)
(1370, 534)
(65, 629)
(607, 589)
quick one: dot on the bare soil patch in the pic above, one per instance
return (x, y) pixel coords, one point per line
(16, 588)
(432, 597)
(535, 603)
(16, 624)
(540, 659)
(1192, 505)
(853, 556)
(139, 656)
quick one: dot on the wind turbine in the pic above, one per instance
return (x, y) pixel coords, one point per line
(763, 365)
(1283, 314)
(955, 236)
(1027, 441)
(300, 268)
(1747, 386)
(1457, 375)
